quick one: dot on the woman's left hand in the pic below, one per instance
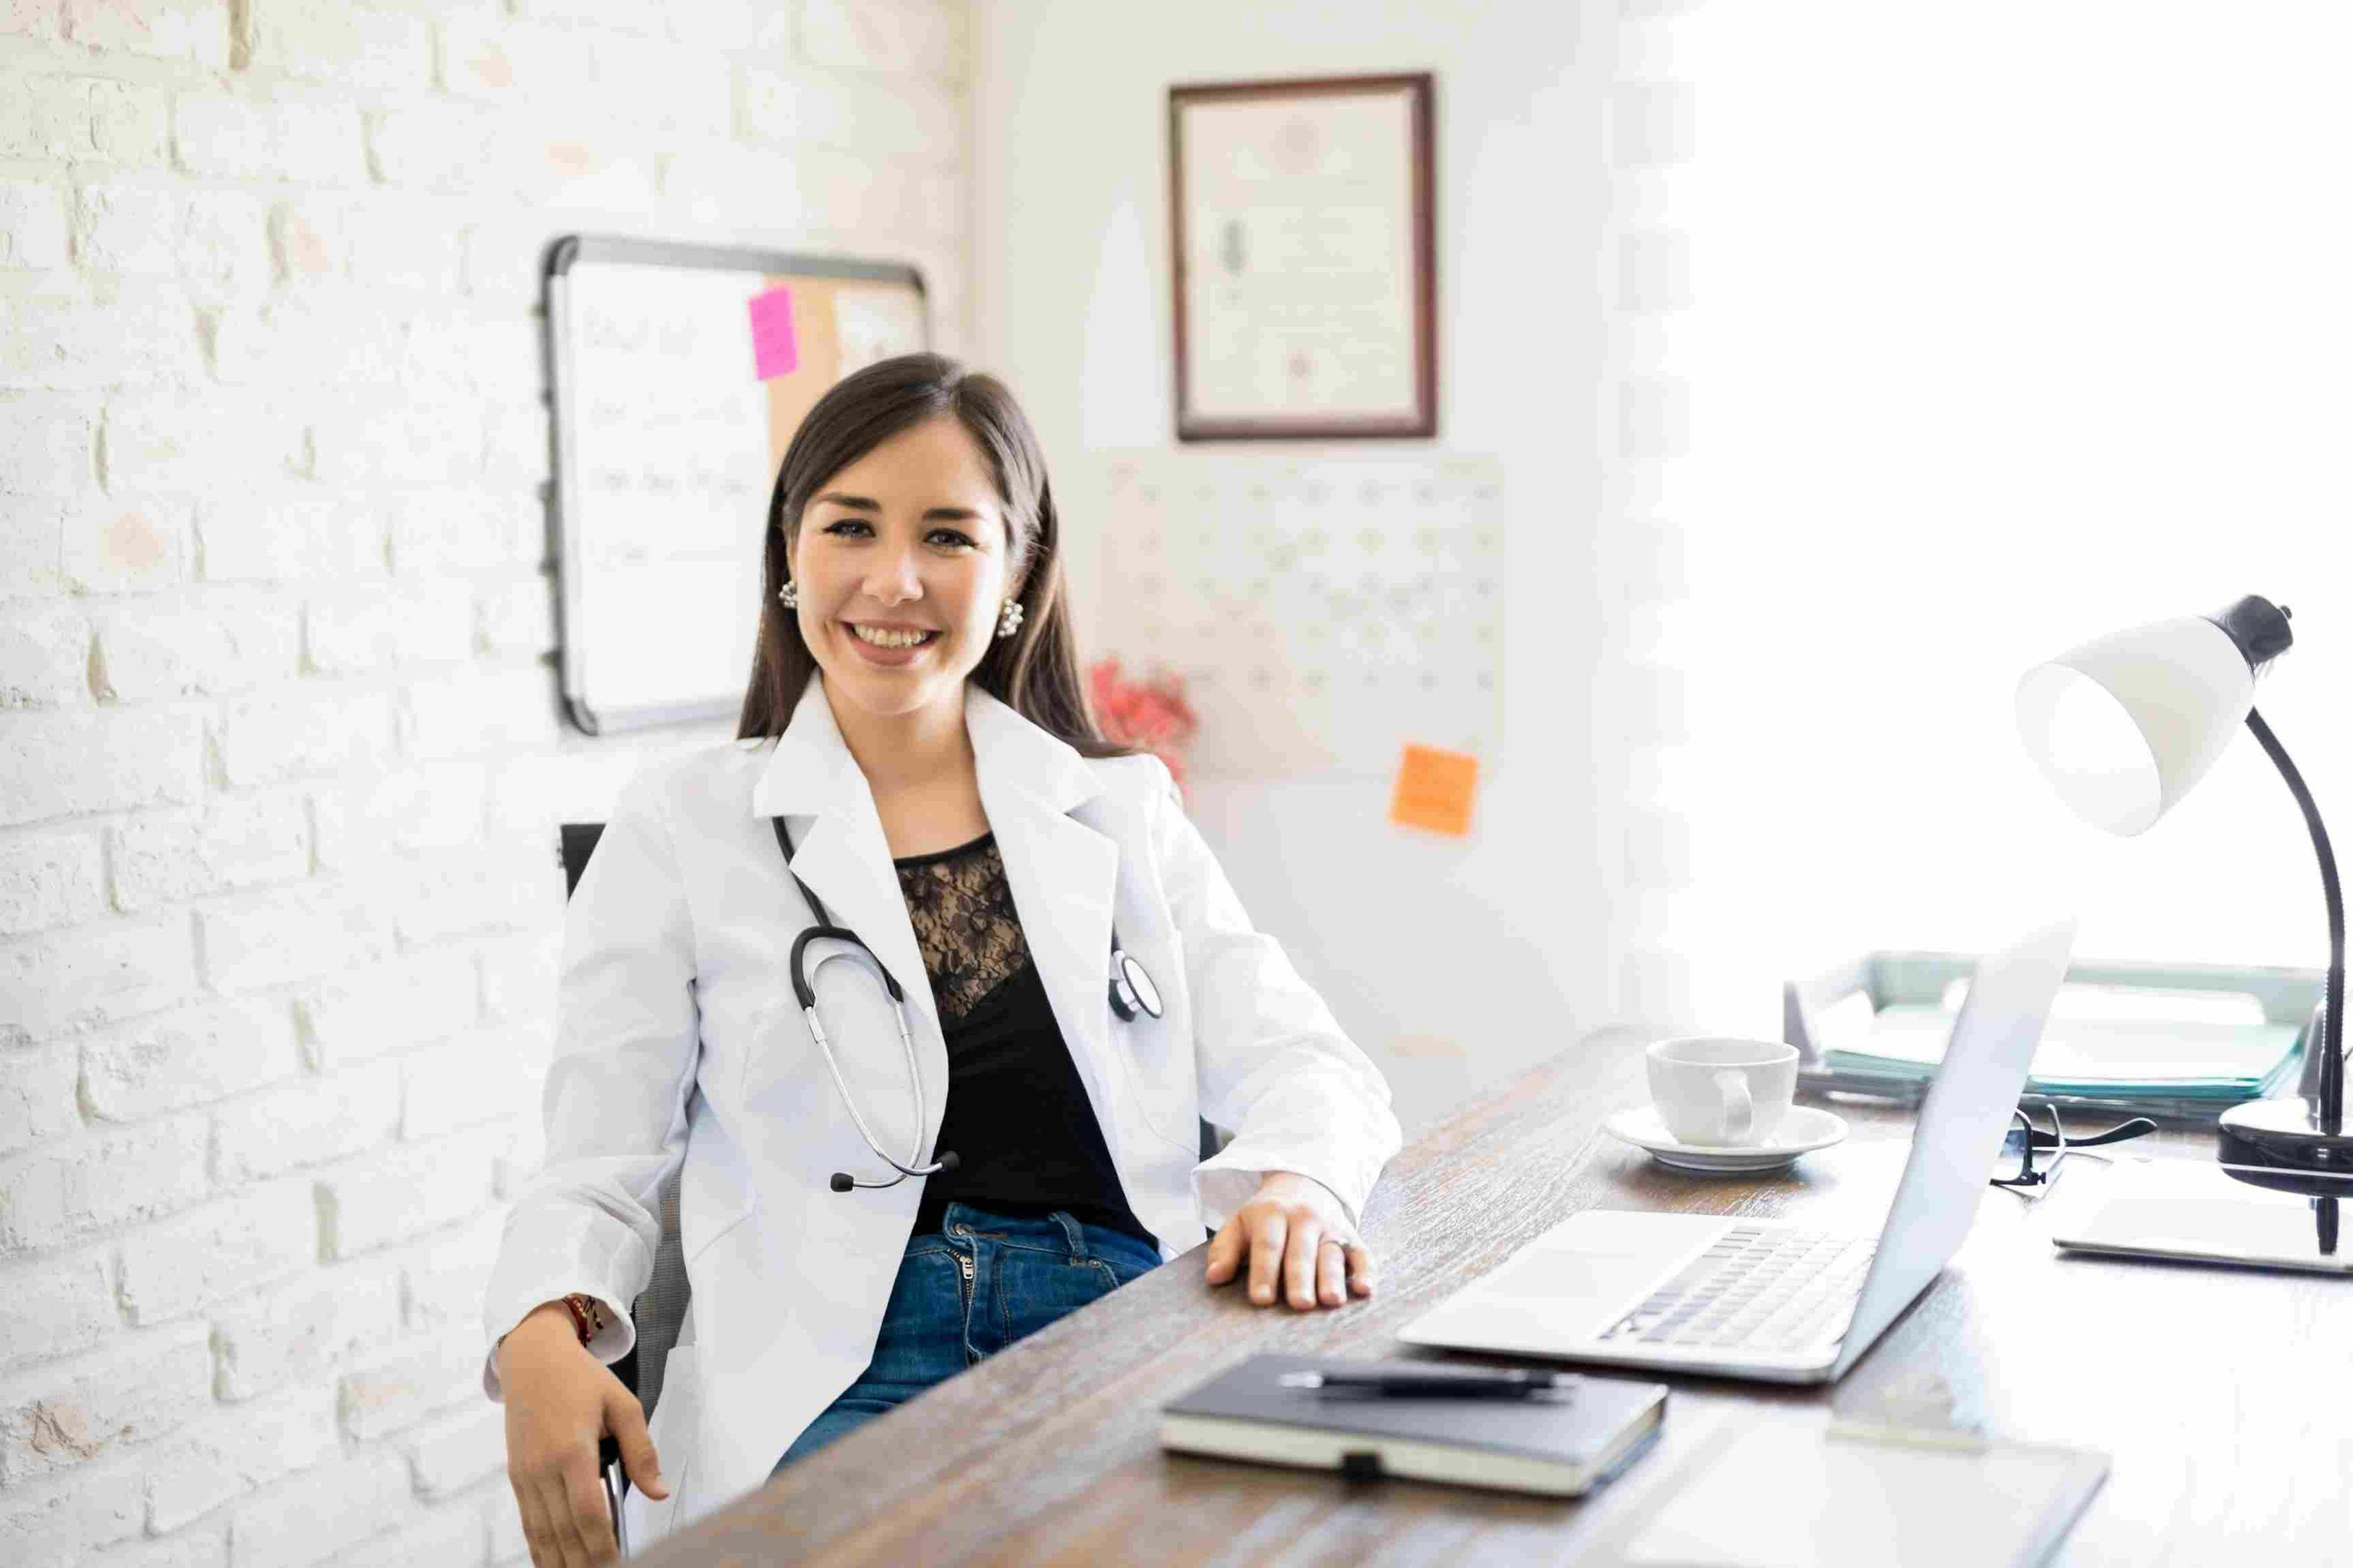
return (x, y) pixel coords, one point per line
(1292, 1232)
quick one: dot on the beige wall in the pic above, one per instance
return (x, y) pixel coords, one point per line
(1452, 962)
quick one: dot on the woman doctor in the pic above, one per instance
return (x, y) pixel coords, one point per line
(968, 1106)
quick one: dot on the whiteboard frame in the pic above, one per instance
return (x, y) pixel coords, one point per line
(557, 262)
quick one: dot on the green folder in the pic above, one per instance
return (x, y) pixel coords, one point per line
(2097, 1057)
(2171, 1040)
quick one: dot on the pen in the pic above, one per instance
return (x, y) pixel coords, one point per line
(1448, 1383)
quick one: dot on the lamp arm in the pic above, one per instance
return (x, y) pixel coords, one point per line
(2332, 1063)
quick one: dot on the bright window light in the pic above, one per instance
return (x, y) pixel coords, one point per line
(2003, 325)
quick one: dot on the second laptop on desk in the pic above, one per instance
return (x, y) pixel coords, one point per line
(1766, 1299)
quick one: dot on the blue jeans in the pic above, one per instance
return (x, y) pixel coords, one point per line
(966, 1291)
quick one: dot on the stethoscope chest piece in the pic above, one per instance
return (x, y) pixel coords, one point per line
(1132, 995)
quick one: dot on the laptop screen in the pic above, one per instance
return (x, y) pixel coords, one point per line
(1962, 1119)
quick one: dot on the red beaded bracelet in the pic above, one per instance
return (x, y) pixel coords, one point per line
(587, 1316)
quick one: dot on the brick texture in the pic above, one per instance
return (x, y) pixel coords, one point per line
(72, 1186)
(210, 1462)
(229, 643)
(196, 31)
(57, 1522)
(188, 1057)
(414, 1000)
(448, 1537)
(94, 974)
(392, 1391)
(298, 934)
(304, 1331)
(457, 1450)
(37, 1096)
(124, 543)
(44, 658)
(32, 224)
(231, 841)
(257, 1235)
(281, 751)
(57, 1305)
(394, 1197)
(76, 762)
(49, 879)
(46, 444)
(80, 1409)
(322, 1513)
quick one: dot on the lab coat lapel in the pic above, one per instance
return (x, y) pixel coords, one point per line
(816, 787)
(1063, 874)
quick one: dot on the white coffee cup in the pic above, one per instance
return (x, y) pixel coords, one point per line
(1720, 1091)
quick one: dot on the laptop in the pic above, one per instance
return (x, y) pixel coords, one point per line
(1768, 1300)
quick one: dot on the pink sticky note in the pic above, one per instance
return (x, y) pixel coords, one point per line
(774, 351)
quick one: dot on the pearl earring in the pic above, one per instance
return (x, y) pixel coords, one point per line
(789, 596)
(1010, 621)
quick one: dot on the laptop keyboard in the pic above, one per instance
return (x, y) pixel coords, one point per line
(1755, 1290)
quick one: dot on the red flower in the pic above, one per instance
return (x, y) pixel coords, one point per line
(1150, 715)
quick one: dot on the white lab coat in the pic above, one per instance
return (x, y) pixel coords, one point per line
(681, 1045)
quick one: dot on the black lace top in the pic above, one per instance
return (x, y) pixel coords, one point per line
(1018, 1117)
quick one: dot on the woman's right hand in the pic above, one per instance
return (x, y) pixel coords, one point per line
(561, 1402)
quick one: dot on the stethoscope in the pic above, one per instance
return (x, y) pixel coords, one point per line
(1133, 995)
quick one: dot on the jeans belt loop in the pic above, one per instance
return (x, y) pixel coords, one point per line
(1075, 1234)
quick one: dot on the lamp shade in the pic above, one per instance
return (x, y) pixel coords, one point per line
(2127, 724)
(2124, 726)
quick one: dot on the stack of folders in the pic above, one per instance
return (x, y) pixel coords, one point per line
(1560, 1442)
(2172, 1065)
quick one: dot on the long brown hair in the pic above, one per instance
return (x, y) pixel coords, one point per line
(1034, 671)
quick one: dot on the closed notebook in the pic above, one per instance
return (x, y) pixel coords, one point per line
(1554, 1445)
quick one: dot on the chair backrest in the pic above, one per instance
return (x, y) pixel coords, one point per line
(659, 1312)
(576, 841)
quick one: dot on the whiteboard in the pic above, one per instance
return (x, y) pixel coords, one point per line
(1324, 610)
(679, 373)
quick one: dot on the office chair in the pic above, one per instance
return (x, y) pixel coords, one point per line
(659, 1312)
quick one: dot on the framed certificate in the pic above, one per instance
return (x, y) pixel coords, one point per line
(1300, 220)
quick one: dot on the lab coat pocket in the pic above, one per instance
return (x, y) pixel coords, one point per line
(715, 1193)
(1160, 1050)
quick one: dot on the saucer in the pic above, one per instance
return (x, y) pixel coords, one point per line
(1803, 1130)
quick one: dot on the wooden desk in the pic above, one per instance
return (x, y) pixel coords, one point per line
(1047, 1453)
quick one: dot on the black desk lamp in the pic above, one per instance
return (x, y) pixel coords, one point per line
(2123, 728)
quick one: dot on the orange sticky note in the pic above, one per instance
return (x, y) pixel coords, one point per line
(1434, 790)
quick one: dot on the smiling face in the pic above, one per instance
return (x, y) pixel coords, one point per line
(903, 563)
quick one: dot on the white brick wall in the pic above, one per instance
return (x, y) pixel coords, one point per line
(32, 226)
(49, 879)
(280, 757)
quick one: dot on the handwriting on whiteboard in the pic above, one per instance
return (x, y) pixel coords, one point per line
(671, 470)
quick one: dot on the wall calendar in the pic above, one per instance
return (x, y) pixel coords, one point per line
(1324, 610)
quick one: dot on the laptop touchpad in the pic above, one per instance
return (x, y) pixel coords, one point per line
(1579, 1292)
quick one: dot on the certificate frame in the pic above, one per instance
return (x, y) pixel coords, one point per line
(1405, 349)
